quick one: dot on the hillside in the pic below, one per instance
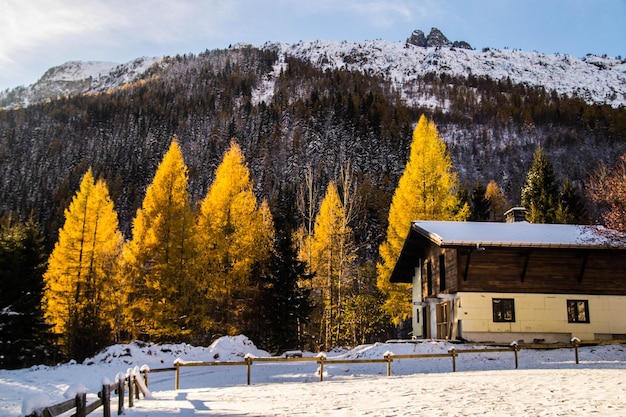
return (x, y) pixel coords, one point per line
(308, 106)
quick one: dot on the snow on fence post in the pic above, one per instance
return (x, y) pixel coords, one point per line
(576, 343)
(144, 370)
(388, 356)
(248, 359)
(321, 357)
(177, 363)
(105, 396)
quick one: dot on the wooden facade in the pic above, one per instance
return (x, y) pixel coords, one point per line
(540, 268)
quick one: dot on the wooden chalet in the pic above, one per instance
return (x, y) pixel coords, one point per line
(504, 282)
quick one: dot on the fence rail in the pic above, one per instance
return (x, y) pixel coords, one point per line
(388, 358)
(83, 408)
(137, 384)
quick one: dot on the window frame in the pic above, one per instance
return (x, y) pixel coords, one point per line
(498, 306)
(573, 315)
(429, 278)
(442, 273)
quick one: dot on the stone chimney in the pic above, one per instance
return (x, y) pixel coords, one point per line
(515, 214)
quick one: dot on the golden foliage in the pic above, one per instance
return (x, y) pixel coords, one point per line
(157, 258)
(79, 282)
(332, 255)
(233, 235)
(426, 191)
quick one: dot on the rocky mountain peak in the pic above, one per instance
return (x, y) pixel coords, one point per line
(417, 38)
(435, 38)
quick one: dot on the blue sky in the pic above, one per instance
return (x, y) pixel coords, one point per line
(38, 34)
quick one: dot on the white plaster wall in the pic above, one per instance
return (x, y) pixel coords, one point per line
(540, 316)
(417, 312)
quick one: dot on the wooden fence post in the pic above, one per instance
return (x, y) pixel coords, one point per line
(120, 395)
(105, 395)
(177, 365)
(321, 363)
(389, 358)
(145, 376)
(131, 389)
(249, 365)
(576, 342)
(137, 387)
(453, 354)
(515, 348)
(81, 404)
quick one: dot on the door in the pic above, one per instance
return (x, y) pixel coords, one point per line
(443, 320)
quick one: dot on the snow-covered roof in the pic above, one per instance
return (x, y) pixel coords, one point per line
(517, 234)
(505, 235)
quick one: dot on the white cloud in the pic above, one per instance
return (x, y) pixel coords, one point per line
(26, 25)
(37, 34)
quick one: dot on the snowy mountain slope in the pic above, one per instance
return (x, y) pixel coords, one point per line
(598, 80)
(76, 77)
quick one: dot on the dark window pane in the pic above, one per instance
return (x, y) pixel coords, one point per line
(577, 311)
(503, 309)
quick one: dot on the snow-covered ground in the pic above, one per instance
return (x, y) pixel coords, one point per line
(547, 383)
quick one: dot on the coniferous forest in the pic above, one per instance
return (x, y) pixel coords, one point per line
(324, 139)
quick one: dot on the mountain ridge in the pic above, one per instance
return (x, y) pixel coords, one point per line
(77, 77)
(595, 79)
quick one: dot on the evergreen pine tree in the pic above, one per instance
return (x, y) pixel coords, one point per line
(80, 285)
(25, 339)
(280, 310)
(480, 206)
(426, 191)
(571, 208)
(540, 193)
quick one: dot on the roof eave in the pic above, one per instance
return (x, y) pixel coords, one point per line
(474, 244)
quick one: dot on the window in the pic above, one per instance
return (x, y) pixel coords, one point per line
(429, 278)
(503, 309)
(442, 273)
(577, 311)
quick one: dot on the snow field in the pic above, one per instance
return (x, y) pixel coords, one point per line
(548, 383)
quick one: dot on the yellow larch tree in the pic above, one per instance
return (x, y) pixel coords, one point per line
(231, 236)
(156, 264)
(497, 201)
(426, 191)
(81, 292)
(332, 254)
(307, 206)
